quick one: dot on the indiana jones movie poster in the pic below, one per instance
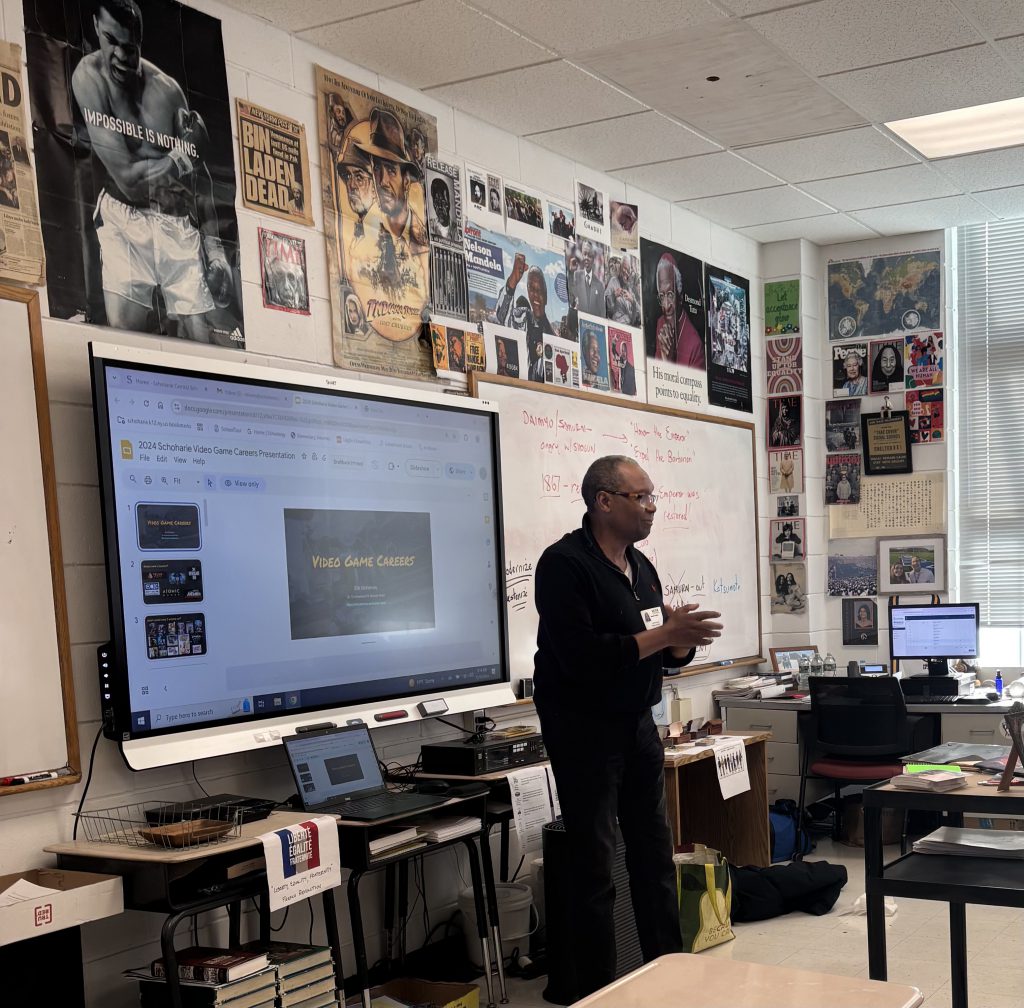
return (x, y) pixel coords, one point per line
(274, 163)
(136, 171)
(372, 151)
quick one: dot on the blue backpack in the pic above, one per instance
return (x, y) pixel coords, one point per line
(782, 820)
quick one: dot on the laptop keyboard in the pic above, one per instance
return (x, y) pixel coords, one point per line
(381, 806)
(942, 698)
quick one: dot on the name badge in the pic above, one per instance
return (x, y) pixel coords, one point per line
(653, 617)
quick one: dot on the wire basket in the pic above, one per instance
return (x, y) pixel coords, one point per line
(162, 824)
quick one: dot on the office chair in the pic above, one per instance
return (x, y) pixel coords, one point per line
(857, 731)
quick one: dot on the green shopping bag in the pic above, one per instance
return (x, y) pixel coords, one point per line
(705, 903)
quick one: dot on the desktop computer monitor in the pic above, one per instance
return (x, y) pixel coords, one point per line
(934, 633)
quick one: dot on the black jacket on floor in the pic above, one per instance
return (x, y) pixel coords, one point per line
(761, 893)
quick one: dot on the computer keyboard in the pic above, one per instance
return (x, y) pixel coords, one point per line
(379, 806)
(943, 698)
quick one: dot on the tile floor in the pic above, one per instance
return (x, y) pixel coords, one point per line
(918, 944)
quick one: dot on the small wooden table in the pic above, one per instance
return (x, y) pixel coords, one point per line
(673, 980)
(738, 827)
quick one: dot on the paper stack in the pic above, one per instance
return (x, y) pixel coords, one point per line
(391, 840)
(930, 780)
(753, 687)
(448, 827)
(985, 843)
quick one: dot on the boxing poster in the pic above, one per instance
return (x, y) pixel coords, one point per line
(372, 160)
(132, 129)
(274, 163)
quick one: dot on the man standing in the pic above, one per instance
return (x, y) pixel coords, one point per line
(588, 289)
(157, 188)
(676, 337)
(604, 638)
(402, 241)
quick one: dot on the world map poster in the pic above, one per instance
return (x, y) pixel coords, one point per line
(883, 295)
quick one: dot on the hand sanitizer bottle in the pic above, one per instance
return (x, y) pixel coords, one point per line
(999, 683)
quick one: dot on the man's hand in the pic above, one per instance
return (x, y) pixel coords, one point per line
(217, 271)
(666, 349)
(518, 271)
(689, 626)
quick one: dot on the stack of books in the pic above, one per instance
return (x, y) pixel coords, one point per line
(224, 978)
(984, 843)
(754, 687)
(930, 780)
(305, 973)
(448, 827)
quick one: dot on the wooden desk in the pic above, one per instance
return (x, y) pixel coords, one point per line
(715, 983)
(947, 878)
(738, 827)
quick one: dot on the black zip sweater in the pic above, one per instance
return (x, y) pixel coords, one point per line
(587, 659)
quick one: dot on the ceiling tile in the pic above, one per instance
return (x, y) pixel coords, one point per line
(1006, 203)
(295, 15)
(828, 230)
(987, 170)
(763, 206)
(925, 215)
(745, 7)
(629, 140)
(690, 178)
(1013, 50)
(521, 100)
(834, 35)
(996, 18)
(925, 85)
(758, 96)
(878, 188)
(571, 28)
(829, 154)
(416, 33)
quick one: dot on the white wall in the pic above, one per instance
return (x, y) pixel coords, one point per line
(272, 69)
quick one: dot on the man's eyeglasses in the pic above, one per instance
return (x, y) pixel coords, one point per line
(640, 498)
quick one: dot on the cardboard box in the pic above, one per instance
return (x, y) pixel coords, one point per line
(411, 992)
(992, 822)
(82, 896)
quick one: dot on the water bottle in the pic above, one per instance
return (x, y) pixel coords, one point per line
(817, 664)
(999, 683)
(829, 667)
(803, 671)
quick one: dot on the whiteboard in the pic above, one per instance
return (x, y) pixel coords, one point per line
(38, 726)
(704, 542)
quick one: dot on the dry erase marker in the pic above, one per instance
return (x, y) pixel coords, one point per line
(33, 777)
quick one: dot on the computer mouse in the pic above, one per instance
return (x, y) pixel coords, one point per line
(433, 787)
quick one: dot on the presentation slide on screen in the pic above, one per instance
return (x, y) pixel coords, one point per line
(282, 548)
(356, 572)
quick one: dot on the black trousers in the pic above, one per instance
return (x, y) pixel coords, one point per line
(611, 768)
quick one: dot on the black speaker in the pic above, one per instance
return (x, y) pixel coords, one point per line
(559, 906)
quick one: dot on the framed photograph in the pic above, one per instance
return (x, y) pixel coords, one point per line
(860, 622)
(907, 562)
(886, 443)
(786, 660)
(789, 588)
(787, 539)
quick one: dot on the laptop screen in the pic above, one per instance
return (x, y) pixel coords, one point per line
(334, 765)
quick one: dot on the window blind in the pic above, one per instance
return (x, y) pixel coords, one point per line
(990, 259)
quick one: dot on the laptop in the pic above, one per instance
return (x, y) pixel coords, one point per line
(336, 771)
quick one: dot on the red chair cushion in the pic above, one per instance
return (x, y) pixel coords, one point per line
(853, 771)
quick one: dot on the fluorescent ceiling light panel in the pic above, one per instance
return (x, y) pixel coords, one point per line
(966, 130)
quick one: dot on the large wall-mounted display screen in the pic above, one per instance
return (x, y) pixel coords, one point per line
(280, 544)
